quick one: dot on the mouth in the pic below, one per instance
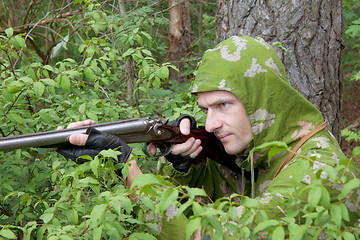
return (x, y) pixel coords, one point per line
(223, 137)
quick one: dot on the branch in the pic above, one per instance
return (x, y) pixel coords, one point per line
(26, 27)
(355, 124)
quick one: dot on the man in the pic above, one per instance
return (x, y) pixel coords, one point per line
(242, 85)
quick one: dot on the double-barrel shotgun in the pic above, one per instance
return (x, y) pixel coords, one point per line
(135, 130)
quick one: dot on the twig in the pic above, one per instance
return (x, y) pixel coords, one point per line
(26, 27)
(355, 124)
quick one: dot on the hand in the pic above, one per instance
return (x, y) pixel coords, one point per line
(92, 143)
(79, 139)
(182, 155)
(192, 146)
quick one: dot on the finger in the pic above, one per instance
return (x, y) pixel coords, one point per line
(194, 147)
(59, 128)
(185, 126)
(180, 149)
(152, 149)
(81, 123)
(196, 152)
(78, 139)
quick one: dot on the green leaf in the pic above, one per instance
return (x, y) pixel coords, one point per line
(274, 151)
(145, 179)
(141, 236)
(13, 89)
(192, 226)
(15, 43)
(296, 232)
(38, 89)
(331, 172)
(7, 95)
(73, 216)
(9, 32)
(249, 202)
(15, 118)
(197, 208)
(194, 192)
(94, 164)
(335, 212)
(270, 144)
(348, 236)
(7, 233)
(97, 233)
(82, 108)
(97, 215)
(344, 212)
(265, 224)
(48, 215)
(164, 72)
(168, 198)
(128, 52)
(65, 83)
(26, 79)
(89, 74)
(314, 196)
(348, 187)
(49, 82)
(302, 167)
(325, 197)
(278, 233)
(356, 152)
(183, 207)
(20, 41)
(45, 116)
(146, 52)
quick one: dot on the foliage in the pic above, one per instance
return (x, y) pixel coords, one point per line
(67, 70)
(352, 39)
(83, 77)
(350, 135)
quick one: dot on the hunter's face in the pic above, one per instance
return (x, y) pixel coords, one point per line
(227, 119)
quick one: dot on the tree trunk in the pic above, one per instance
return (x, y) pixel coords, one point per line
(180, 37)
(312, 31)
(129, 64)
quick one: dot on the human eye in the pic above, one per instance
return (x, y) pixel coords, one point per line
(224, 105)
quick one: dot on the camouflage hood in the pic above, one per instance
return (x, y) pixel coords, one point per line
(251, 69)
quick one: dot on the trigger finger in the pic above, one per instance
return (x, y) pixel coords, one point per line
(152, 149)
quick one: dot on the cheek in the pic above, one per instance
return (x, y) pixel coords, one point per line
(242, 125)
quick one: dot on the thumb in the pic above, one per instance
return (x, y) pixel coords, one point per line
(185, 126)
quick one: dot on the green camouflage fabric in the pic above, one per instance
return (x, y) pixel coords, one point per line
(251, 69)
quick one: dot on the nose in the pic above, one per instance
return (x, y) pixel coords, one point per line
(212, 122)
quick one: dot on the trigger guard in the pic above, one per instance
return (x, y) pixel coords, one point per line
(165, 149)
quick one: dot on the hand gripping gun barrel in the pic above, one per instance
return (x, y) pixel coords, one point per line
(135, 130)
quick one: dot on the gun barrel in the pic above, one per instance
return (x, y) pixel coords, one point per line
(58, 138)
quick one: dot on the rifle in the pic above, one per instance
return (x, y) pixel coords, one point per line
(136, 130)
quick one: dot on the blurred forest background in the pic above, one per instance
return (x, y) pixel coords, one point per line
(68, 60)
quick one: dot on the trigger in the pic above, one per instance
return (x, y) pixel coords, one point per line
(165, 149)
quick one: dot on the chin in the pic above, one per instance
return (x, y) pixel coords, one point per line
(230, 151)
(233, 150)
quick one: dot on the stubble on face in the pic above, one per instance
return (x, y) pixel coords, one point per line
(227, 119)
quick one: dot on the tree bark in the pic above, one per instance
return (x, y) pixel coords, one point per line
(312, 31)
(180, 36)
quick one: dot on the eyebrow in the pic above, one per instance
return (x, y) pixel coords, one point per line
(218, 101)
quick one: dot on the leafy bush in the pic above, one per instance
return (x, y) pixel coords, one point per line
(351, 38)
(45, 196)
